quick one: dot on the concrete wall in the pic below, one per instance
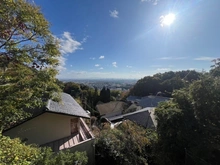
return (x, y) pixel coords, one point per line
(42, 129)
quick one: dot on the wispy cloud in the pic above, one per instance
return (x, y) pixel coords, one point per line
(165, 58)
(67, 45)
(62, 62)
(92, 58)
(101, 68)
(129, 66)
(97, 65)
(155, 66)
(114, 64)
(84, 40)
(77, 74)
(114, 13)
(172, 58)
(101, 57)
(163, 69)
(152, 1)
(204, 58)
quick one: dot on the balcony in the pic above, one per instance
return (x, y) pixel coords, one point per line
(82, 136)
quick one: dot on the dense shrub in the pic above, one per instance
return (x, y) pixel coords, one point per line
(13, 151)
(126, 145)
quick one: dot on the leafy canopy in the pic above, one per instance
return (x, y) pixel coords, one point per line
(126, 144)
(188, 126)
(13, 151)
(28, 58)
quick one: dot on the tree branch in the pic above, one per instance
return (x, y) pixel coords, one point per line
(9, 37)
(30, 38)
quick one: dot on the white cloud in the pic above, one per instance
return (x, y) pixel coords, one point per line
(114, 13)
(172, 58)
(155, 66)
(67, 45)
(101, 68)
(114, 64)
(153, 1)
(100, 74)
(61, 65)
(193, 68)
(165, 58)
(97, 65)
(92, 58)
(84, 40)
(204, 58)
(101, 57)
(163, 69)
(129, 66)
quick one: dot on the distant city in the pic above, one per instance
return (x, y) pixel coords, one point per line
(112, 84)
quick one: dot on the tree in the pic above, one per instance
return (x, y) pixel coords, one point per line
(105, 95)
(13, 151)
(188, 125)
(166, 83)
(72, 88)
(28, 59)
(125, 145)
(215, 68)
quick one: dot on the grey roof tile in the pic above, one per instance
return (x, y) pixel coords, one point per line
(67, 106)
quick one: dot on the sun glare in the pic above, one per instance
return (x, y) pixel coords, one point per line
(167, 20)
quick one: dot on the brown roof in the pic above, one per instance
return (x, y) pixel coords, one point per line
(113, 106)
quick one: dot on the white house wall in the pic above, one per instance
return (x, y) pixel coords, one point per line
(42, 129)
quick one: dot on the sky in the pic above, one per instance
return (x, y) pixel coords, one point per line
(131, 39)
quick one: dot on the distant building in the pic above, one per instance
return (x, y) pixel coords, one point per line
(112, 108)
(147, 101)
(144, 117)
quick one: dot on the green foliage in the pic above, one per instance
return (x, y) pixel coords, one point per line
(215, 68)
(166, 83)
(72, 88)
(105, 95)
(13, 151)
(115, 95)
(62, 157)
(87, 96)
(126, 144)
(28, 57)
(188, 125)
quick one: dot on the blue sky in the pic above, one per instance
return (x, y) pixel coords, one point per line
(125, 39)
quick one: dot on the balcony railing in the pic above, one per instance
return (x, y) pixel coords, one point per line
(84, 134)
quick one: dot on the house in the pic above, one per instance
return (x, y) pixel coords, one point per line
(147, 101)
(152, 101)
(59, 126)
(112, 108)
(133, 98)
(144, 117)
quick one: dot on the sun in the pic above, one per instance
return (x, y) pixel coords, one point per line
(167, 20)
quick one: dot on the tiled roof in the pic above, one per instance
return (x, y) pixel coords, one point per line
(67, 106)
(133, 98)
(111, 107)
(144, 117)
(151, 101)
(129, 114)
